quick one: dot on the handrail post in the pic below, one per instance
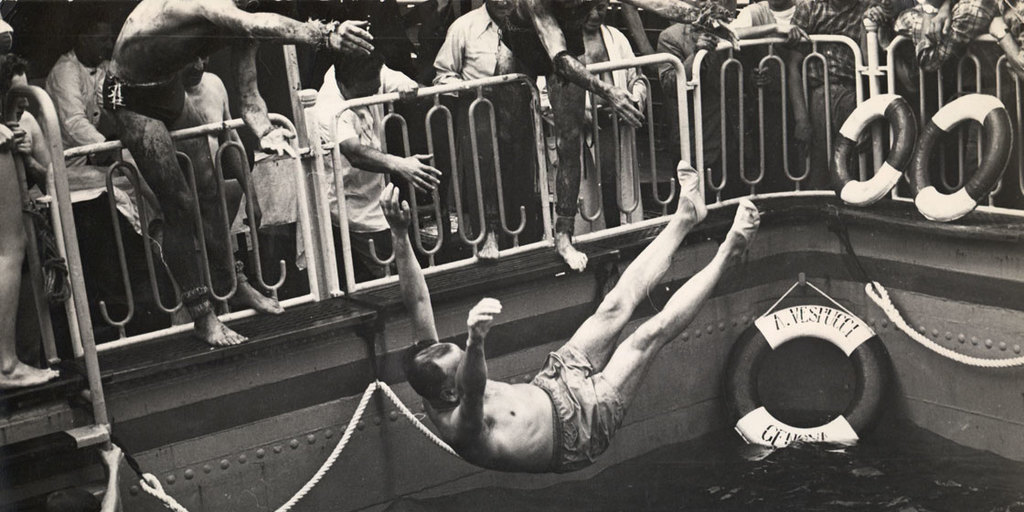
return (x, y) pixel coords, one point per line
(874, 72)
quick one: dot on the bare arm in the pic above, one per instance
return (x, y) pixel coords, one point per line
(472, 374)
(348, 37)
(111, 497)
(411, 168)
(675, 10)
(636, 29)
(415, 294)
(254, 109)
(795, 90)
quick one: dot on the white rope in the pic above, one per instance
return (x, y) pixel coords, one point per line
(880, 296)
(151, 484)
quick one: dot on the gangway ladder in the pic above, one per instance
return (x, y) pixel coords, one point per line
(47, 414)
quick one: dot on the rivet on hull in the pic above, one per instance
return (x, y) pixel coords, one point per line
(242, 459)
(224, 464)
(294, 443)
(189, 474)
(207, 468)
(311, 438)
(171, 479)
(261, 453)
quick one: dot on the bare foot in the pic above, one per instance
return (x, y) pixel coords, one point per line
(23, 376)
(210, 329)
(691, 197)
(744, 227)
(575, 259)
(489, 252)
(247, 297)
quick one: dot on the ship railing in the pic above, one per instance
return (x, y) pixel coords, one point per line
(971, 73)
(768, 139)
(76, 305)
(341, 278)
(164, 291)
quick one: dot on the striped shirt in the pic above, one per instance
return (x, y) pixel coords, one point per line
(835, 17)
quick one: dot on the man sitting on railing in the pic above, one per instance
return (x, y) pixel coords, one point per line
(357, 131)
(546, 38)
(842, 18)
(145, 94)
(566, 417)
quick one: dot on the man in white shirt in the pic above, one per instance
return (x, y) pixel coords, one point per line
(73, 83)
(470, 51)
(356, 131)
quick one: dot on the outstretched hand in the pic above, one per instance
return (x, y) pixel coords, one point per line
(481, 317)
(625, 106)
(422, 175)
(277, 141)
(397, 214)
(351, 37)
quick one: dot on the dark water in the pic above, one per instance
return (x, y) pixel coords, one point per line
(905, 469)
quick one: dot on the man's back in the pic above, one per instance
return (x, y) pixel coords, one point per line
(162, 36)
(517, 433)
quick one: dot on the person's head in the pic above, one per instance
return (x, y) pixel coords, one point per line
(13, 71)
(499, 9)
(72, 500)
(192, 74)
(780, 5)
(6, 37)
(430, 368)
(358, 76)
(95, 42)
(596, 16)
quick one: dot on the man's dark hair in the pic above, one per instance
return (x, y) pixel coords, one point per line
(72, 500)
(351, 70)
(424, 375)
(11, 65)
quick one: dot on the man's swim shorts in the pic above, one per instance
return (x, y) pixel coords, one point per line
(586, 409)
(163, 101)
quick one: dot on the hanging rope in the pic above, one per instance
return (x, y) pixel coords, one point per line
(55, 269)
(151, 485)
(880, 296)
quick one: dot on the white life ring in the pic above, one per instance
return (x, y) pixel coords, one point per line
(901, 119)
(998, 138)
(858, 341)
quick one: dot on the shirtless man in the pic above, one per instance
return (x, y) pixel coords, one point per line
(567, 415)
(546, 38)
(145, 94)
(206, 101)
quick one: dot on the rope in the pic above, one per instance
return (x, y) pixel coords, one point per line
(151, 485)
(880, 296)
(55, 270)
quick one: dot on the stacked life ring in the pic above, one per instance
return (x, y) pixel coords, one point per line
(858, 341)
(998, 139)
(903, 124)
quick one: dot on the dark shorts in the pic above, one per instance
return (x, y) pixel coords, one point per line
(520, 36)
(164, 101)
(586, 409)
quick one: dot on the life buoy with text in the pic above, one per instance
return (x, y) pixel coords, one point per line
(858, 341)
(998, 140)
(903, 124)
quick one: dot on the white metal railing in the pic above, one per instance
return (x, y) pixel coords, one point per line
(77, 305)
(481, 105)
(151, 250)
(968, 68)
(732, 62)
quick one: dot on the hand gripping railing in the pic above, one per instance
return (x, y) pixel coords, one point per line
(77, 306)
(439, 109)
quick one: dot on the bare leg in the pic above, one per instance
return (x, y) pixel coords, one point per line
(628, 365)
(217, 235)
(13, 373)
(567, 101)
(597, 336)
(150, 143)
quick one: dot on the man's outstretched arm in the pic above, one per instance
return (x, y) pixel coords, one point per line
(415, 294)
(472, 375)
(254, 109)
(347, 37)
